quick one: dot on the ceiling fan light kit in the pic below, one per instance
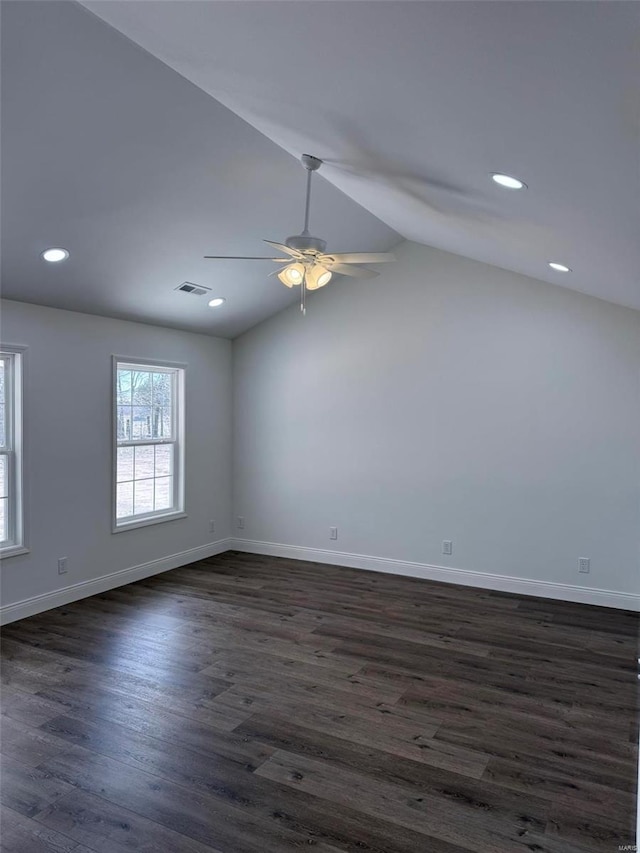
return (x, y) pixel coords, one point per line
(307, 263)
(292, 274)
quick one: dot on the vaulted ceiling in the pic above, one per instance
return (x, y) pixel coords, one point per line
(411, 105)
(138, 173)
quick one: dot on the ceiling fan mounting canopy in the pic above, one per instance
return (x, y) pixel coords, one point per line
(307, 264)
(311, 163)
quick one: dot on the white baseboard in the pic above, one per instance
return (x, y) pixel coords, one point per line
(503, 583)
(59, 597)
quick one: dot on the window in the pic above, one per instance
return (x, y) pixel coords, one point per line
(149, 444)
(11, 520)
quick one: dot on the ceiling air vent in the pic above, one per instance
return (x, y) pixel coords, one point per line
(195, 289)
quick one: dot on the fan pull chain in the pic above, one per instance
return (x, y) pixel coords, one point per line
(303, 295)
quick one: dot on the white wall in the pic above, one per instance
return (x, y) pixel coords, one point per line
(68, 436)
(446, 399)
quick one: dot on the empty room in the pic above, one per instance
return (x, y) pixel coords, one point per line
(319, 426)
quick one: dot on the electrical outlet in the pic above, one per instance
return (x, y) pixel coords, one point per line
(63, 565)
(333, 533)
(240, 522)
(447, 547)
(584, 565)
(212, 526)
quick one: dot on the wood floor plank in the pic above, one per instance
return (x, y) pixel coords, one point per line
(110, 828)
(28, 708)
(26, 744)
(20, 834)
(562, 788)
(595, 831)
(28, 790)
(233, 785)
(463, 823)
(240, 666)
(227, 822)
(214, 736)
(250, 704)
(370, 762)
(390, 733)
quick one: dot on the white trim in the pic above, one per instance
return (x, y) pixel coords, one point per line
(16, 451)
(84, 589)
(147, 520)
(13, 551)
(466, 577)
(151, 362)
(178, 373)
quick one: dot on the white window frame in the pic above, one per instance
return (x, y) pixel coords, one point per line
(178, 370)
(13, 451)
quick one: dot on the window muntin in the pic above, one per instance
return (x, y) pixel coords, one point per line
(148, 429)
(11, 520)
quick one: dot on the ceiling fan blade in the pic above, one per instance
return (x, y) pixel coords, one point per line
(293, 252)
(349, 269)
(280, 269)
(244, 258)
(359, 258)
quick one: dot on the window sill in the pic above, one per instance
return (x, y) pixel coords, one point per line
(13, 551)
(147, 522)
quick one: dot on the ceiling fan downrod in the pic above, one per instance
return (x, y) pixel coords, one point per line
(305, 242)
(311, 164)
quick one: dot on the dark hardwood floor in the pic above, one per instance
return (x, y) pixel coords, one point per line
(250, 704)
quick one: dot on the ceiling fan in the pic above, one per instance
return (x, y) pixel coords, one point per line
(306, 263)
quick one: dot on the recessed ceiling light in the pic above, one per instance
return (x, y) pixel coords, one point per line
(559, 267)
(508, 181)
(55, 255)
(215, 303)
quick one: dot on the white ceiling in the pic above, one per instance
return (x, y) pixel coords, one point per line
(111, 153)
(138, 173)
(413, 104)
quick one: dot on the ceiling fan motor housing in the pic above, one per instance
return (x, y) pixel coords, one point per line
(306, 243)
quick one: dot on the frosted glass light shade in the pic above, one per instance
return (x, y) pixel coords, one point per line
(292, 275)
(317, 277)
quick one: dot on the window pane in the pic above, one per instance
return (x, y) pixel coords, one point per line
(2, 375)
(141, 387)
(141, 424)
(4, 485)
(144, 462)
(166, 418)
(124, 469)
(124, 500)
(161, 424)
(142, 496)
(3, 431)
(124, 418)
(123, 388)
(164, 493)
(164, 460)
(4, 508)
